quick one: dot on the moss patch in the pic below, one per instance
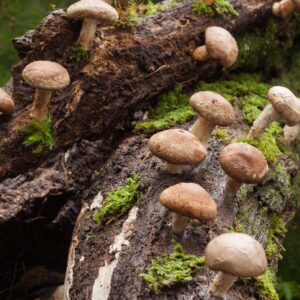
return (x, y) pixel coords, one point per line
(219, 7)
(222, 134)
(266, 286)
(118, 202)
(78, 53)
(169, 269)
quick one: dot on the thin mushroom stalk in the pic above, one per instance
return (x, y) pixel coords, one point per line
(87, 33)
(179, 224)
(232, 187)
(290, 133)
(41, 103)
(202, 129)
(221, 284)
(267, 116)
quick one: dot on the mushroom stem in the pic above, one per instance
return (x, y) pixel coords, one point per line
(87, 33)
(232, 187)
(201, 53)
(202, 129)
(179, 223)
(290, 133)
(283, 8)
(266, 117)
(173, 169)
(221, 284)
(40, 106)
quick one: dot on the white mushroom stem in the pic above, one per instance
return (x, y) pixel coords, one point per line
(201, 53)
(87, 33)
(202, 129)
(232, 187)
(221, 284)
(173, 169)
(290, 133)
(266, 117)
(40, 106)
(179, 223)
(283, 8)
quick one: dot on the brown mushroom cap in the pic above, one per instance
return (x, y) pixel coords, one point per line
(244, 163)
(6, 103)
(213, 107)
(286, 104)
(237, 254)
(93, 9)
(189, 200)
(46, 75)
(177, 146)
(221, 45)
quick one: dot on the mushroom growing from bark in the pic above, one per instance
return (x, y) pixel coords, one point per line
(188, 200)
(219, 45)
(284, 104)
(285, 8)
(242, 163)
(213, 110)
(6, 103)
(92, 13)
(177, 147)
(45, 76)
(290, 133)
(233, 255)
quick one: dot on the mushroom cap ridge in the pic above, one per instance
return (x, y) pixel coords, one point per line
(221, 45)
(177, 146)
(190, 200)
(237, 254)
(285, 103)
(244, 163)
(213, 107)
(93, 9)
(46, 75)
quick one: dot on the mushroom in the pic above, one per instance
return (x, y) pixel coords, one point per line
(233, 255)
(6, 103)
(242, 163)
(45, 76)
(188, 200)
(284, 104)
(285, 8)
(177, 147)
(219, 45)
(213, 110)
(92, 12)
(208, 2)
(290, 133)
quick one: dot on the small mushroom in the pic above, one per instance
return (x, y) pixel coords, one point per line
(219, 45)
(208, 2)
(6, 103)
(213, 110)
(92, 12)
(284, 104)
(45, 76)
(285, 8)
(242, 163)
(290, 133)
(233, 255)
(177, 147)
(188, 200)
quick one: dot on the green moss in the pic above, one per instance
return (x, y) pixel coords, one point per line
(173, 107)
(78, 53)
(118, 202)
(38, 135)
(128, 17)
(169, 269)
(222, 134)
(219, 7)
(266, 286)
(151, 8)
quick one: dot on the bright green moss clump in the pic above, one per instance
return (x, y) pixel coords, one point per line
(222, 134)
(118, 202)
(169, 269)
(219, 7)
(173, 107)
(78, 53)
(266, 286)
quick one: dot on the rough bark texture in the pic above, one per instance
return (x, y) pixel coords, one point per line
(41, 195)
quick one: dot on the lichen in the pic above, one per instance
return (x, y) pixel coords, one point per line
(219, 7)
(266, 286)
(169, 269)
(118, 202)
